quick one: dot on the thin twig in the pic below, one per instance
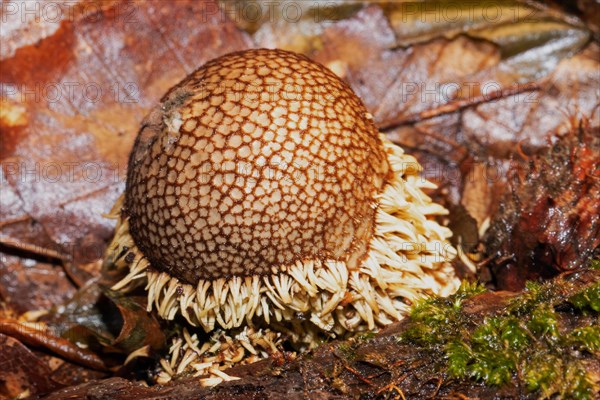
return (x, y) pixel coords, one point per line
(458, 104)
(394, 385)
(358, 375)
(31, 248)
(57, 345)
(11, 221)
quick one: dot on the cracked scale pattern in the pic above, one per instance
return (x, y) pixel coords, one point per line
(257, 160)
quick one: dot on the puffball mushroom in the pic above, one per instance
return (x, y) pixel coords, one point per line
(261, 195)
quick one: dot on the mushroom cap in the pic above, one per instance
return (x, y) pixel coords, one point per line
(257, 160)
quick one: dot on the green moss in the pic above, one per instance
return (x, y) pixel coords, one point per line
(365, 336)
(436, 316)
(468, 289)
(588, 299)
(551, 376)
(523, 343)
(587, 338)
(542, 322)
(540, 373)
(534, 294)
(347, 351)
(492, 353)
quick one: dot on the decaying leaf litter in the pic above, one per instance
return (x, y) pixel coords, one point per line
(472, 130)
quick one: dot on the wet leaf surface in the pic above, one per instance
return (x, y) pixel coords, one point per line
(474, 97)
(32, 372)
(99, 317)
(45, 284)
(549, 222)
(28, 372)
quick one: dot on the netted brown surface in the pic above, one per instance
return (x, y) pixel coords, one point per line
(256, 161)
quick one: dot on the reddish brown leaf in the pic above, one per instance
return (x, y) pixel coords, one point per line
(21, 370)
(27, 285)
(47, 340)
(550, 221)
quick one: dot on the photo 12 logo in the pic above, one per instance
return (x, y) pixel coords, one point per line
(61, 172)
(72, 92)
(272, 11)
(490, 11)
(54, 12)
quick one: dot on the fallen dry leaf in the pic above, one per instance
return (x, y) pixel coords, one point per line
(45, 284)
(549, 222)
(28, 372)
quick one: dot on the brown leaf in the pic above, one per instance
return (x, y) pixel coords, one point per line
(27, 284)
(47, 340)
(21, 370)
(468, 153)
(139, 328)
(16, 224)
(416, 22)
(106, 321)
(571, 90)
(550, 221)
(401, 85)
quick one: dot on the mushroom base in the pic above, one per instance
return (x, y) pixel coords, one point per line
(408, 257)
(189, 356)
